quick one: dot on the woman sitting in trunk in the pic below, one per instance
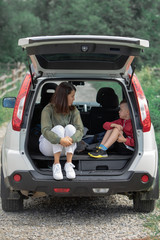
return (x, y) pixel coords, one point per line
(61, 128)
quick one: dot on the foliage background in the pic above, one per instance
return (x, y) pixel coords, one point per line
(131, 18)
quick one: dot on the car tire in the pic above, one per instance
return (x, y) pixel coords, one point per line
(148, 204)
(10, 204)
(145, 206)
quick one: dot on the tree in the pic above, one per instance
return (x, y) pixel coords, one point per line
(146, 22)
(17, 22)
(133, 18)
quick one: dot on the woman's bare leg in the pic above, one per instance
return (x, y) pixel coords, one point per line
(69, 157)
(57, 157)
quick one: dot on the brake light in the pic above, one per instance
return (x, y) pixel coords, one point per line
(17, 177)
(145, 178)
(142, 104)
(61, 190)
(17, 117)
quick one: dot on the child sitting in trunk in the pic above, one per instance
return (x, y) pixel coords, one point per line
(119, 132)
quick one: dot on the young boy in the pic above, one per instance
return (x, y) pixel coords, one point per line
(119, 131)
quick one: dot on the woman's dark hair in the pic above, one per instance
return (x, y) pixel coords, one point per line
(60, 97)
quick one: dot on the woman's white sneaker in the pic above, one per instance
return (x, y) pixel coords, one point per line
(57, 171)
(70, 173)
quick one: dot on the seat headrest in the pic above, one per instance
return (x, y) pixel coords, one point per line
(47, 91)
(106, 97)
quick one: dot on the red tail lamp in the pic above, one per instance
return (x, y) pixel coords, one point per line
(17, 117)
(142, 105)
(145, 178)
(17, 177)
(61, 190)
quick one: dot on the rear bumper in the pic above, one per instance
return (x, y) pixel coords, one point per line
(33, 181)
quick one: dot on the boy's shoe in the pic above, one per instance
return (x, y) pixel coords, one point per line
(99, 153)
(70, 173)
(57, 172)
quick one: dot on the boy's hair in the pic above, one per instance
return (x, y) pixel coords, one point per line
(126, 105)
(123, 101)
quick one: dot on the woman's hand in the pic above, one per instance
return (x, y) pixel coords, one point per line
(66, 141)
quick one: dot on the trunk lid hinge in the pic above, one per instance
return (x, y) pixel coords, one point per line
(128, 80)
(34, 79)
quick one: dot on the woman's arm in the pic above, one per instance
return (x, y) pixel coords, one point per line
(47, 125)
(77, 123)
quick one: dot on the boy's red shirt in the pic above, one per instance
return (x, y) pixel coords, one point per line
(127, 129)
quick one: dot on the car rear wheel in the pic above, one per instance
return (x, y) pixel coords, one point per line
(11, 201)
(143, 205)
(147, 205)
(12, 205)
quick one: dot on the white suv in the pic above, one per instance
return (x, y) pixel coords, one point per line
(100, 68)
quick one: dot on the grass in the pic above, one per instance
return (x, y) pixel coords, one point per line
(152, 222)
(6, 113)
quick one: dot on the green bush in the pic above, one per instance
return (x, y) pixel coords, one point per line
(150, 83)
(6, 113)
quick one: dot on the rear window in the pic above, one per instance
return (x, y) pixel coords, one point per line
(82, 61)
(80, 56)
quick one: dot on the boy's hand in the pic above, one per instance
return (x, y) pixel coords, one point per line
(121, 138)
(119, 127)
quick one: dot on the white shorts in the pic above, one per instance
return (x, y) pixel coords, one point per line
(49, 149)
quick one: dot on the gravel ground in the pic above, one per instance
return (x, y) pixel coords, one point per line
(105, 218)
(74, 219)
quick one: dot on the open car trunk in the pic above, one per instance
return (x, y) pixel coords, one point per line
(90, 102)
(99, 62)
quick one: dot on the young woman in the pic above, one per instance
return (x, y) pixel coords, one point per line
(61, 128)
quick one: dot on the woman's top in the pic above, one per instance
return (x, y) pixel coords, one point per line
(50, 118)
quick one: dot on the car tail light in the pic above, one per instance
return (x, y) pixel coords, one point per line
(142, 105)
(61, 190)
(17, 117)
(17, 178)
(145, 178)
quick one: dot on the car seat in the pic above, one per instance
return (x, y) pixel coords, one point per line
(47, 92)
(107, 112)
